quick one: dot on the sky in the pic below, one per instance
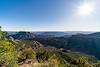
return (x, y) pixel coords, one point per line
(50, 15)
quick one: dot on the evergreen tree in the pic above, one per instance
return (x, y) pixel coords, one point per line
(3, 34)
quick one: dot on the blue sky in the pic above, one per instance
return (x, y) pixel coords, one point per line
(47, 15)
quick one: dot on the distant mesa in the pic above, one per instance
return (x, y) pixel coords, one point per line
(23, 35)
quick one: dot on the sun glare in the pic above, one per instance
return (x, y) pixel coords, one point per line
(85, 9)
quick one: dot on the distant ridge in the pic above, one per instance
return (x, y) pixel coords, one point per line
(97, 34)
(23, 35)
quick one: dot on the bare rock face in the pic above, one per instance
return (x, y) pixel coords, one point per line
(37, 44)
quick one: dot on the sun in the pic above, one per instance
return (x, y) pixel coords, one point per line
(85, 9)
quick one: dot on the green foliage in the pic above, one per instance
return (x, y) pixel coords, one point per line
(7, 54)
(43, 55)
(3, 35)
(97, 64)
(29, 53)
(12, 53)
(26, 53)
(83, 62)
